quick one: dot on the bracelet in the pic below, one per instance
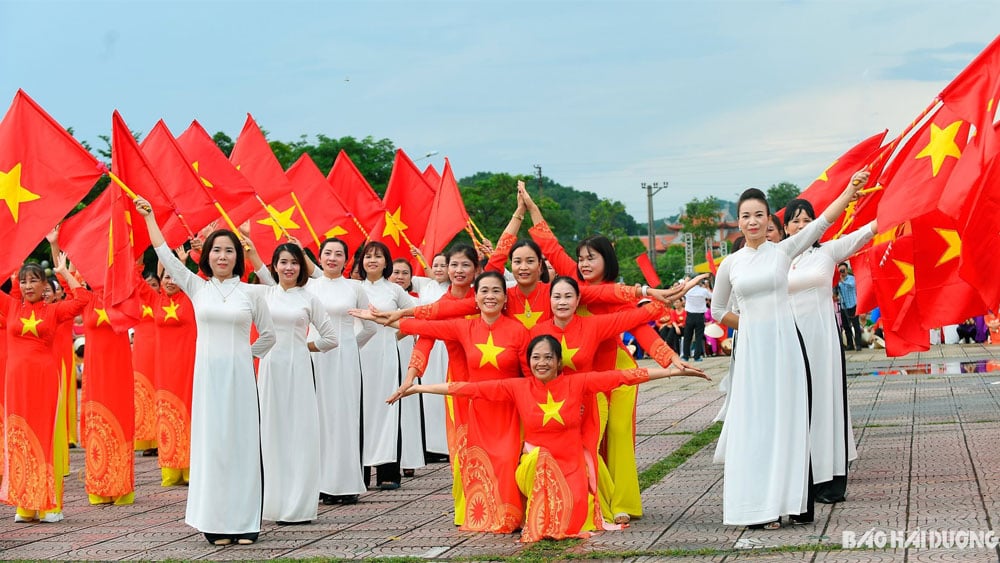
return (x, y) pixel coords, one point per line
(518, 217)
(645, 291)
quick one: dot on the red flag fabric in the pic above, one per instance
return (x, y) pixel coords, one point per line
(101, 242)
(177, 178)
(892, 272)
(323, 213)
(972, 95)
(448, 215)
(408, 200)
(824, 189)
(943, 297)
(649, 271)
(44, 173)
(980, 260)
(354, 192)
(226, 184)
(130, 165)
(253, 157)
(916, 179)
(431, 174)
(712, 266)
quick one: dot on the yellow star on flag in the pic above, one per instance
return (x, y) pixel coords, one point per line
(394, 225)
(583, 311)
(30, 325)
(336, 231)
(550, 409)
(170, 310)
(102, 317)
(954, 249)
(908, 280)
(567, 354)
(12, 192)
(824, 177)
(203, 179)
(941, 145)
(490, 352)
(279, 221)
(147, 311)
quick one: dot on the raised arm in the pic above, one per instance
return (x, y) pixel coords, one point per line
(183, 277)
(846, 246)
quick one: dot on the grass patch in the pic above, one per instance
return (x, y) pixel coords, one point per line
(660, 469)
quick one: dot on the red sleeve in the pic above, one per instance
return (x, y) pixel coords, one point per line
(69, 308)
(610, 293)
(493, 390)
(553, 251)
(651, 342)
(500, 253)
(610, 324)
(603, 381)
(421, 351)
(446, 309)
(448, 329)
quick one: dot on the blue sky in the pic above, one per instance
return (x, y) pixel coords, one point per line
(710, 96)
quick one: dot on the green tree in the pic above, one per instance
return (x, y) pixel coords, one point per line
(670, 264)
(224, 142)
(778, 195)
(701, 218)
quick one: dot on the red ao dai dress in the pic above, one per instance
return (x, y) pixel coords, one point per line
(487, 434)
(31, 395)
(177, 334)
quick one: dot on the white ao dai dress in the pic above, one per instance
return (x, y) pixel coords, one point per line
(380, 361)
(226, 491)
(289, 410)
(435, 372)
(765, 436)
(810, 286)
(338, 386)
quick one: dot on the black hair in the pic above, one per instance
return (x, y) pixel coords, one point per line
(299, 256)
(553, 345)
(384, 250)
(521, 243)
(465, 250)
(565, 279)
(601, 245)
(31, 269)
(779, 225)
(408, 266)
(335, 240)
(753, 193)
(490, 274)
(206, 267)
(799, 205)
(739, 243)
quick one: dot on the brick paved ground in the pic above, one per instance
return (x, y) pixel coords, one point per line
(928, 459)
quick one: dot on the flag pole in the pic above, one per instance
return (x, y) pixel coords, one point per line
(271, 215)
(302, 212)
(473, 223)
(133, 196)
(420, 257)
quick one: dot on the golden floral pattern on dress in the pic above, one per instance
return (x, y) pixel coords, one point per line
(485, 510)
(550, 507)
(3, 441)
(173, 431)
(110, 463)
(29, 482)
(145, 407)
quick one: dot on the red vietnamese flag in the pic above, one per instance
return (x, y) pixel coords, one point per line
(178, 179)
(942, 296)
(916, 179)
(448, 215)
(649, 271)
(230, 188)
(101, 242)
(44, 172)
(892, 272)
(408, 201)
(980, 260)
(431, 175)
(972, 95)
(831, 183)
(253, 157)
(129, 164)
(325, 214)
(354, 192)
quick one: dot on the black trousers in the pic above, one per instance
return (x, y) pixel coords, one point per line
(852, 327)
(694, 333)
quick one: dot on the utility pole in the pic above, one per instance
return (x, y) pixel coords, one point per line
(538, 168)
(651, 190)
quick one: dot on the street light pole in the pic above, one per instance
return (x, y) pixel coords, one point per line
(428, 155)
(651, 190)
